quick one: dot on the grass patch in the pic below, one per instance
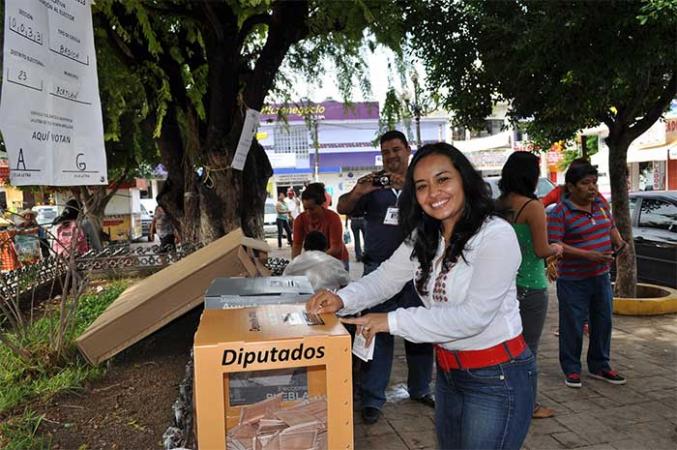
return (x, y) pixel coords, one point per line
(43, 376)
(21, 432)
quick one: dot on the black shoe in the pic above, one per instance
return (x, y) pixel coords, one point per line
(427, 400)
(370, 415)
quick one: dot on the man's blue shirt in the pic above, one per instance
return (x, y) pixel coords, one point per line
(381, 240)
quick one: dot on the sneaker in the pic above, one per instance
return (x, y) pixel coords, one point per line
(610, 376)
(573, 380)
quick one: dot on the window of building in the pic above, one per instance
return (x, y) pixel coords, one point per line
(291, 139)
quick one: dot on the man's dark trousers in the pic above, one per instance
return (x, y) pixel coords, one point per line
(375, 375)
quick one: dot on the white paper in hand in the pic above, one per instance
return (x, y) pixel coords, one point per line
(360, 348)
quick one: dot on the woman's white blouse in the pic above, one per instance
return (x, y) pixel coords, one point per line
(471, 307)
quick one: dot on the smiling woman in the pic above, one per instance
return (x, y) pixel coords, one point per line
(463, 260)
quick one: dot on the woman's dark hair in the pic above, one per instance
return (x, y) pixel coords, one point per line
(520, 175)
(426, 230)
(579, 171)
(315, 240)
(315, 192)
(70, 212)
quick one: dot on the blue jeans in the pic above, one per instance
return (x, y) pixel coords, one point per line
(533, 309)
(579, 300)
(487, 408)
(375, 375)
(357, 226)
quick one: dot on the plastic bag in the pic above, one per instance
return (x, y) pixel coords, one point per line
(323, 271)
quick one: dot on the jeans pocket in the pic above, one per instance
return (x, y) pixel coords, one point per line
(490, 375)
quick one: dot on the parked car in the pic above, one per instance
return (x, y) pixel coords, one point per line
(45, 214)
(270, 219)
(543, 187)
(653, 215)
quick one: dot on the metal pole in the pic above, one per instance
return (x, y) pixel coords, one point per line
(316, 144)
(417, 110)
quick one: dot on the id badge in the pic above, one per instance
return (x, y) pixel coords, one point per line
(392, 216)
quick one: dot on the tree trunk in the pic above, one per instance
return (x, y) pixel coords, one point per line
(626, 264)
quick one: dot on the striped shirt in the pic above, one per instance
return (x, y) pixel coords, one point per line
(584, 230)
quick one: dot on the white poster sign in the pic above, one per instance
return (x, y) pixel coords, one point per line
(251, 123)
(50, 115)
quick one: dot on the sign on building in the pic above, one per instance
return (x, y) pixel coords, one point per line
(50, 114)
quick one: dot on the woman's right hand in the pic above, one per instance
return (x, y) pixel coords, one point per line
(557, 249)
(324, 301)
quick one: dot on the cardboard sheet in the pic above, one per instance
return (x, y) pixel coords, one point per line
(166, 295)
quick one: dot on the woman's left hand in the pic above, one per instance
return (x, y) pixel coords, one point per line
(370, 324)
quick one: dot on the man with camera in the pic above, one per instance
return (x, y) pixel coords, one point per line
(376, 195)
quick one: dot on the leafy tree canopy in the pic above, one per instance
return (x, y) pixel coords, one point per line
(563, 65)
(194, 66)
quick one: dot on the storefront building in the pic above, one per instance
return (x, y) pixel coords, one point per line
(345, 149)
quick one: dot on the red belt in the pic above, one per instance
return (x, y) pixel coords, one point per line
(476, 359)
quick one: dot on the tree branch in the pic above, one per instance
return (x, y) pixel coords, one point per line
(288, 26)
(656, 110)
(212, 17)
(629, 113)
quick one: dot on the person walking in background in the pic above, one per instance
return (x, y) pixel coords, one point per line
(518, 203)
(316, 217)
(375, 197)
(283, 219)
(583, 225)
(163, 225)
(359, 227)
(463, 261)
(70, 237)
(293, 203)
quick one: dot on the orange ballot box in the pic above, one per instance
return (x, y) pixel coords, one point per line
(272, 377)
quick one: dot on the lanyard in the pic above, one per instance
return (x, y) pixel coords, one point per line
(396, 192)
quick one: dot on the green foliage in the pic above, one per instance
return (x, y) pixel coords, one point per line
(45, 375)
(565, 65)
(20, 432)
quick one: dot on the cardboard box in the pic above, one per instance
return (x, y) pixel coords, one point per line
(242, 292)
(243, 355)
(166, 295)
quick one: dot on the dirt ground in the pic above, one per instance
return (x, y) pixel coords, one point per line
(130, 407)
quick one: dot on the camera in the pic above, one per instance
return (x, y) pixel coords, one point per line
(381, 179)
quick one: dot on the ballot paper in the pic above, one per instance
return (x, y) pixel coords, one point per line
(272, 425)
(360, 348)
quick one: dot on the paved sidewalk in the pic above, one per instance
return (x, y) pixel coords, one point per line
(641, 414)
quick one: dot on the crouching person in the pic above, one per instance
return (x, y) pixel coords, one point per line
(323, 271)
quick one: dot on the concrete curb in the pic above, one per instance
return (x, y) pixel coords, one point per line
(656, 300)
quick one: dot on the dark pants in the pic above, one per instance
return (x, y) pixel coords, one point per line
(579, 300)
(487, 408)
(167, 243)
(283, 224)
(357, 226)
(375, 375)
(533, 309)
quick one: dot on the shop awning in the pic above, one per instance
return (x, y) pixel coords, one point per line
(658, 153)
